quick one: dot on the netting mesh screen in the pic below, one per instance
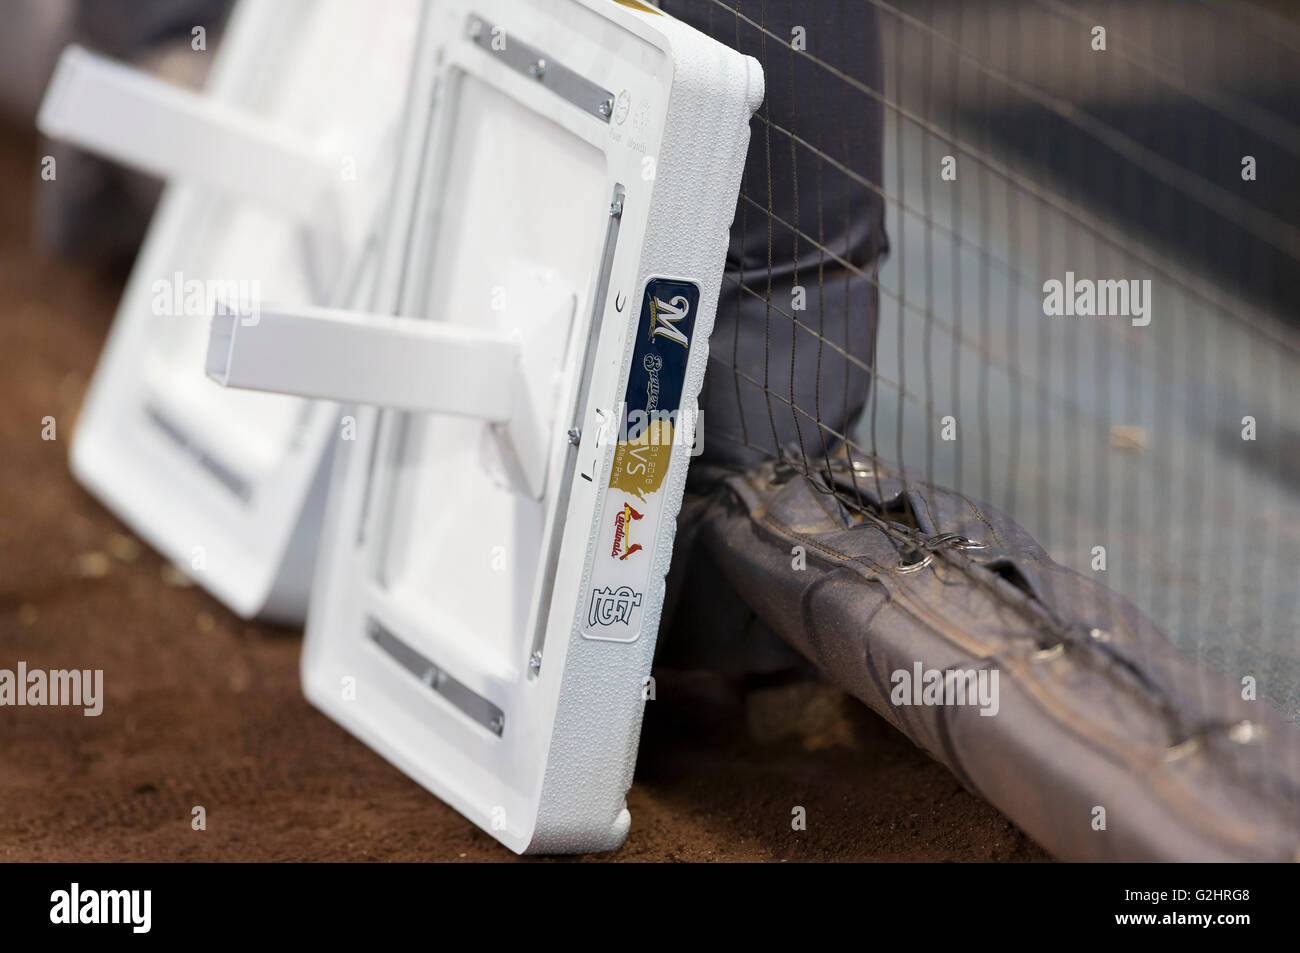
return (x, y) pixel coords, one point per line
(1042, 254)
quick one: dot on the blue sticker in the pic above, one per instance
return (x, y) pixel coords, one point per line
(654, 386)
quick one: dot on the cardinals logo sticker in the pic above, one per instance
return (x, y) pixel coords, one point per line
(623, 545)
(612, 606)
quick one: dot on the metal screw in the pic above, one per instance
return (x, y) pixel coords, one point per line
(535, 662)
(537, 70)
(475, 29)
(497, 725)
(606, 108)
(575, 435)
(616, 208)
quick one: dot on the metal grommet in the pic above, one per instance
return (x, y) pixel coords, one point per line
(930, 546)
(783, 471)
(951, 541)
(943, 539)
(917, 565)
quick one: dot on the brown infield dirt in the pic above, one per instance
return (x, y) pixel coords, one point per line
(203, 708)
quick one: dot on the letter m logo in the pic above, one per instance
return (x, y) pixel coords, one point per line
(664, 318)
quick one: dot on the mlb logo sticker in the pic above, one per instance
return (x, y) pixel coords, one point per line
(612, 606)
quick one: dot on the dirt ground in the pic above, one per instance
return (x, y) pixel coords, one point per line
(203, 708)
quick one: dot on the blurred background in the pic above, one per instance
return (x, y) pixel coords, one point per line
(1126, 162)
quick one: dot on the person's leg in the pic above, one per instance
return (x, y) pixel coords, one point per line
(815, 163)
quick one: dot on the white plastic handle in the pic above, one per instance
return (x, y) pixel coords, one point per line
(404, 363)
(401, 363)
(140, 121)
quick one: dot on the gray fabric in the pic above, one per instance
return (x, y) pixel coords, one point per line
(756, 346)
(1183, 766)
